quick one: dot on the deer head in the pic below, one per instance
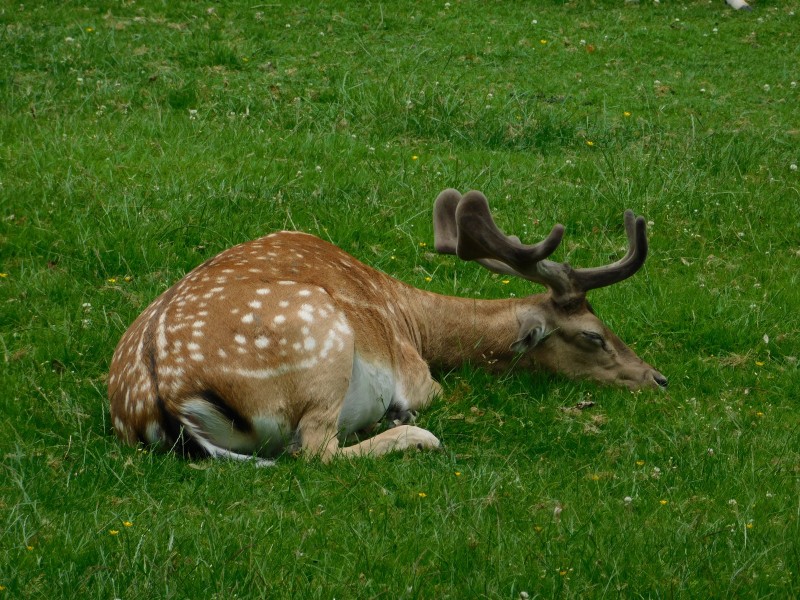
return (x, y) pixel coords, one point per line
(559, 330)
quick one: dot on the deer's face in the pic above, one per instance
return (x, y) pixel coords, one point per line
(578, 344)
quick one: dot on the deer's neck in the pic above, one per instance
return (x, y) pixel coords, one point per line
(450, 331)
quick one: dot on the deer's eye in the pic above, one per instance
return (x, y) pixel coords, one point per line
(594, 338)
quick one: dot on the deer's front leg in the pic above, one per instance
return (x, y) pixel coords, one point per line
(324, 443)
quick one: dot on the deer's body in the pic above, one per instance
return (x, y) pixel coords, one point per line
(288, 342)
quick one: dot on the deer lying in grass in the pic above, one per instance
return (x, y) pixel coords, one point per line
(288, 342)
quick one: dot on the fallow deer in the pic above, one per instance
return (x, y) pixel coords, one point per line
(289, 343)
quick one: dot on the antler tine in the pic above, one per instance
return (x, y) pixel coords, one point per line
(597, 277)
(480, 239)
(445, 232)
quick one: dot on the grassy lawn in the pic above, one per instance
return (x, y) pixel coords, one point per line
(138, 139)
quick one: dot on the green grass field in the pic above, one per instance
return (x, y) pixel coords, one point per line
(139, 138)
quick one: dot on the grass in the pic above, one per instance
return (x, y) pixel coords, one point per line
(138, 139)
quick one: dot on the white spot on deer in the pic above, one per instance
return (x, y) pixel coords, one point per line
(192, 346)
(282, 341)
(161, 340)
(297, 346)
(309, 344)
(196, 356)
(197, 333)
(240, 339)
(198, 324)
(304, 293)
(306, 313)
(177, 327)
(256, 304)
(287, 283)
(262, 342)
(241, 350)
(235, 311)
(221, 353)
(262, 291)
(307, 363)
(283, 304)
(279, 319)
(248, 318)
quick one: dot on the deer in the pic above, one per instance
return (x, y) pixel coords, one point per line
(288, 344)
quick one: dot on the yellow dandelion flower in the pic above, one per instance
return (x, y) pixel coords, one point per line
(422, 494)
(2, 588)
(3, 274)
(423, 244)
(759, 363)
(537, 528)
(127, 278)
(749, 525)
(89, 29)
(127, 524)
(415, 157)
(29, 548)
(542, 42)
(112, 280)
(627, 114)
(639, 463)
(595, 477)
(505, 281)
(589, 143)
(759, 414)
(663, 502)
(458, 473)
(113, 531)
(428, 279)
(563, 572)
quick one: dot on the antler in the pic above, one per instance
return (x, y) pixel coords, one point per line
(464, 226)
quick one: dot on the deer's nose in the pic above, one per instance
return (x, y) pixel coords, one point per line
(660, 380)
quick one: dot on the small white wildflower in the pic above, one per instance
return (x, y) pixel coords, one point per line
(288, 26)
(793, 167)
(627, 499)
(583, 42)
(715, 30)
(766, 338)
(69, 40)
(656, 82)
(318, 169)
(534, 22)
(523, 596)
(766, 87)
(447, 5)
(710, 452)
(793, 84)
(732, 502)
(740, 234)
(702, 90)
(87, 307)
(192, 114)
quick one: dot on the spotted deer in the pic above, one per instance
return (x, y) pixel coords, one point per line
(288, 343)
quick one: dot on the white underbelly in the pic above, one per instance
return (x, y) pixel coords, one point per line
(368, 397)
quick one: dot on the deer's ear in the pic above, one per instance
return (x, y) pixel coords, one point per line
(532, 331)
